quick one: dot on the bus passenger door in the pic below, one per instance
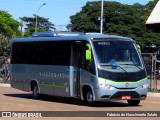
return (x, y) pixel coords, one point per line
(75, 69)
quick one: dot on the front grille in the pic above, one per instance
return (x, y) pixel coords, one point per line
(118, 95)
(124, 88)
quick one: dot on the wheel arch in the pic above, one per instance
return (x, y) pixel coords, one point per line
(33, 83)
(85, 88)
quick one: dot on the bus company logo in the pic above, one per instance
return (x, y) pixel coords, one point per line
(53, 75)
(6, 114)
(126, 85)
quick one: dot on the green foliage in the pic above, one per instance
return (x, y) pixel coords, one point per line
(154, 90)
(83, 23)
(120, 19)
(8, 29)
(8, 26)
(151, 4)
(43, 24)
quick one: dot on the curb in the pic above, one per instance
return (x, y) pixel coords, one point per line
(151, 94)
(4, 85)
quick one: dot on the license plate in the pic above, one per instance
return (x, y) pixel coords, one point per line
(126, 97)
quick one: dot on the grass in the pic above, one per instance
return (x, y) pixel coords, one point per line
(154, 90)
(4, 82)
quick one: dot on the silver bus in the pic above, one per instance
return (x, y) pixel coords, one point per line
(92, 67)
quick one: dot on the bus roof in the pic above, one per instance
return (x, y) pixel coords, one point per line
(86, 37)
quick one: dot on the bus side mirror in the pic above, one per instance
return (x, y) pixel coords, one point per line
(139, 48)
(88, 55)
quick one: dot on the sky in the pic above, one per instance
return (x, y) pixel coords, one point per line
(58, 11)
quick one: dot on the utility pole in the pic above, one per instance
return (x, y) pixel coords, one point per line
(37, 16)
(101, 27)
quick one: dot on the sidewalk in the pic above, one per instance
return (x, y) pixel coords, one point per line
(152, 94)
(5, 85)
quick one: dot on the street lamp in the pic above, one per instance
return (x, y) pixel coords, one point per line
(37, 15)
(101, 27)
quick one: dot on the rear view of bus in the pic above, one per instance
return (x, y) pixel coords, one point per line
(121, 72)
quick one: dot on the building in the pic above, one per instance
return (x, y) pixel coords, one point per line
(153, 21)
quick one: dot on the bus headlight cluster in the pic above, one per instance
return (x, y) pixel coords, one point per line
(109, 87)
(144, 86)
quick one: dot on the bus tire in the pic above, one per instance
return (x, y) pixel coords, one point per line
(89, 98)
(35, 92)
(133, 102)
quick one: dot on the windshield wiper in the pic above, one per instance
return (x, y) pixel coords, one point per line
(134, 65)
(117, 66)
(138, 67)
(123, 69)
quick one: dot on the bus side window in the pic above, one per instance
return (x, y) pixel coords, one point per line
(85, 63)
(92, 67)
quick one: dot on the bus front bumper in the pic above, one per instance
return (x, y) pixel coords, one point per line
(103, 94)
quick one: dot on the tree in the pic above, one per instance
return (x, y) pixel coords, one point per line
(82, 23)
(87, 19)
(8, 29)
(69, 27)
(43, 24)
(120, 19)
(151, 4)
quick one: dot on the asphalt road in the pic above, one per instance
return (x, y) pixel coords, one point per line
(16, 100)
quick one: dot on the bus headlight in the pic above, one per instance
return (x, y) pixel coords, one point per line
(109, 87)
(144, 86)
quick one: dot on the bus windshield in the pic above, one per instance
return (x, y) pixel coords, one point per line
(122, 52)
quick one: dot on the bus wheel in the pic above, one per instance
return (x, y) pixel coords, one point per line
(35, 92)
(89, 98)
(133, 102)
